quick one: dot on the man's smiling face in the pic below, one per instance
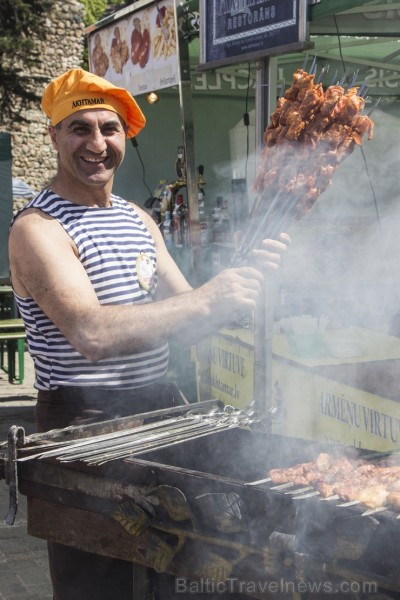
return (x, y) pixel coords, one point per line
(90, 146)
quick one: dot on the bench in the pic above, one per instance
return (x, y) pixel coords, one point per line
(12, 344)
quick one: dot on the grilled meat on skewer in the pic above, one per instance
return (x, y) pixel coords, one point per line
(351, 480)
(310, 133)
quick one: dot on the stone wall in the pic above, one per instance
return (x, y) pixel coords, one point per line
(34, 160)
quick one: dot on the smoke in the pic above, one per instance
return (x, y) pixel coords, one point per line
(342, 264)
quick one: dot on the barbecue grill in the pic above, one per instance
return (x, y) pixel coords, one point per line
(197, 502)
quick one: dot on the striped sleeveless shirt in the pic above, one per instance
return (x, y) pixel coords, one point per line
(109, 242)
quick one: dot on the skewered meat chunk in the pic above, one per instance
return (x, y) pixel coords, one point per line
(312, 102)
(287, 475)
(302, 82)
(347, 490)
(276, 115)
(373, 496)
(293, 126)
(393, 500)
(330, 108)
(363, 125)
(288, 111)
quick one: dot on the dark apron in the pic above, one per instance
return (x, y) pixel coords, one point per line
(75, 574)
(69, 405)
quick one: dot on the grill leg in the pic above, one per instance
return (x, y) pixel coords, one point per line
(16, 437)
(15, 347)
(11, 360)
(21, 358)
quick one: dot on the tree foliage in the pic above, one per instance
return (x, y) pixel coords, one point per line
(21, 23)
(19, 20)
(94, 10)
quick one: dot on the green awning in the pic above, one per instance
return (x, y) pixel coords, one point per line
(360, 36)
(327, 8)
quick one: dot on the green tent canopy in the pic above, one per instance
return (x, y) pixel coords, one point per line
(360, 37)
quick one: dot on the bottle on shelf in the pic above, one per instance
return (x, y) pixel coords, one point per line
(216, 235)
(204, 228)
(167, 229)
(158, 192)
(185, 225)
(176, 225)
(165, 202)
(180, 164)
(200, 177)
(225, 223)
(179, 227)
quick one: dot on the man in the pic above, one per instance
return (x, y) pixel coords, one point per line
(100, 295)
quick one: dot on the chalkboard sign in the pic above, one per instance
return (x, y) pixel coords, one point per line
(233, 31)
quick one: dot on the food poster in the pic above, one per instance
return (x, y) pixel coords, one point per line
(139, 51)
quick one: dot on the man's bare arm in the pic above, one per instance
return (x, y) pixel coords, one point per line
(45, 266)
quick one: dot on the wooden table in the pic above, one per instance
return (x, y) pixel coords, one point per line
(7, 303)
(12, 343)
(9, 324)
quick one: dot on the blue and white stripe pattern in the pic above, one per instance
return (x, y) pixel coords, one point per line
(109, 241)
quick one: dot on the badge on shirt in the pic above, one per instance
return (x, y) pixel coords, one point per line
(146, 271)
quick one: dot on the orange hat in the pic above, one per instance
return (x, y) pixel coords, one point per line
(78, 90)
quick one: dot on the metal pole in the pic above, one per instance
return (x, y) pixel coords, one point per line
(265, 102)
(186, 109)
(266, 85)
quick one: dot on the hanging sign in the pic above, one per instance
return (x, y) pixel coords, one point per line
(233, 31)
(137, 50)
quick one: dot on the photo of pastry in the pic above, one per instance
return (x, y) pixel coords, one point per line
(119, 52)
(163, 42)
(100, 59)
(140, 43)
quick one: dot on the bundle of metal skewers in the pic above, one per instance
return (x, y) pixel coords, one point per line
(123, 444)
(311, 131)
